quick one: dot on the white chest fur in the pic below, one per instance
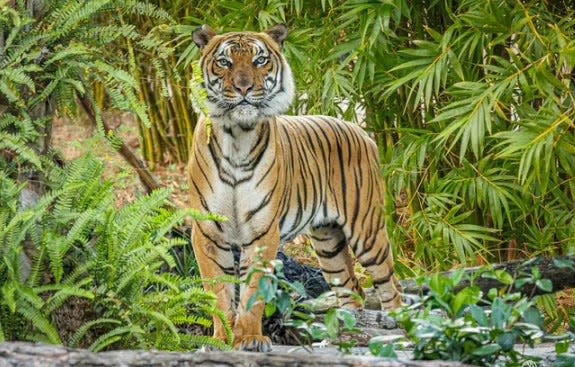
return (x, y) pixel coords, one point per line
(242, 191)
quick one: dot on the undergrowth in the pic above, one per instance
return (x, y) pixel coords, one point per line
(449, 322)
(72, 254)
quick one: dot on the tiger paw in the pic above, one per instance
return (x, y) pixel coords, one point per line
(253, 343)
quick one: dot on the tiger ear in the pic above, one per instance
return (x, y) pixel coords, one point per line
(203, 35)
(278, 32)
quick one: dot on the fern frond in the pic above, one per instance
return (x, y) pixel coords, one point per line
(39, 321)
(18, 76)
(9, 296)
(75, 14)
(192, 320)
(71, 52)
(81, 332)
(11, 94)
(37, 268)
(161, 320)
(13, 143)
(113, 336)
(136, 215)
(65, 292)
(146, 9)
(108, 33)
(222, 317)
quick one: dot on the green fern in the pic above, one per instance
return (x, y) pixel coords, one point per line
(114, 259)
(83, 248)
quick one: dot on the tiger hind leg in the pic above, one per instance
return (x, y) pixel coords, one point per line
(376, 257)
(335, 260)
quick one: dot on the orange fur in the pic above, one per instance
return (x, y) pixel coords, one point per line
(276, 176)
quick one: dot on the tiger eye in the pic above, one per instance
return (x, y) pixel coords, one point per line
(224, 63)
(261, 61)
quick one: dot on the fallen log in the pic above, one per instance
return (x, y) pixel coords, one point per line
(559, 270)
(19, 354)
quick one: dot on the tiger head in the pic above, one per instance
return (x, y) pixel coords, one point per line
(246, 77)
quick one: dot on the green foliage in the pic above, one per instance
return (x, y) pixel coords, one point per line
(564, 358)
(474, 100)
(471, 103)
(74, 269)
(280, 296)
(48, 60)
(273, 289)
(284, 297)
(336, 324)
(468, 326)
(113, 261)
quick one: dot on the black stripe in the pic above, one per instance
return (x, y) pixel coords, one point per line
(320, 239)
(201, 168)
(376, 259)
(266, 173)
(266, 200)
(332, 271)
(331, 254)
(223, 248)
(384, 279)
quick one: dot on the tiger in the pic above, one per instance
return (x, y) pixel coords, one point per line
(275, 176)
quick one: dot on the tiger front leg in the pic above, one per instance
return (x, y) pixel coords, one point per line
(214, 262)
(248, 326)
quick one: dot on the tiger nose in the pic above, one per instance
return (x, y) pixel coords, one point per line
(244, 88)
(243, 83)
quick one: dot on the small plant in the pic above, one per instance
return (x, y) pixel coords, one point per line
(284, 297)
(562, 343)
(338, 328)
(278, 294)
(381, 346)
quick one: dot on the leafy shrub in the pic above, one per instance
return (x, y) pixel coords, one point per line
(51, 53)
(111, 263)
(448, 323)
(73, 268)
(468, 326)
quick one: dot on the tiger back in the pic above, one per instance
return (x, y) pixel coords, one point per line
(274, 177)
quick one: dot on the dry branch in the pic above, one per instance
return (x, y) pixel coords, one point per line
(146, 177)
(26, 354)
